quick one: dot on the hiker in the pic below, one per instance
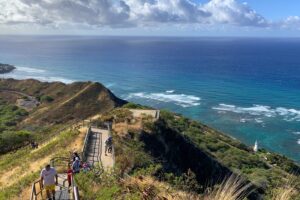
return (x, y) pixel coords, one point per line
(69, 172)
(75, 155)
(108, 145)
(76, 166)
(34, 145)
(48, 181)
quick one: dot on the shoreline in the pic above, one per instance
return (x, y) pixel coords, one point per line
(218, 130)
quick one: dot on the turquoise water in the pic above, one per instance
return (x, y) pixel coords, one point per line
(248, 88)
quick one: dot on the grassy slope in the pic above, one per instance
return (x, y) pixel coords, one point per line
(61, 106)
(180, 173)
(19, 169)
(265, 169)
(75, 101)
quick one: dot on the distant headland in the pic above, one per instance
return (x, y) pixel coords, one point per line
(6, 68)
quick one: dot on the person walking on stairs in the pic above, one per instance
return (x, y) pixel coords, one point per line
(75, 155)
(48, 181)
(69, 175)
(76, 166)
(108, 145)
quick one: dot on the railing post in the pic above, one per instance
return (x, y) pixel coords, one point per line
(33, 193)
(40, 182)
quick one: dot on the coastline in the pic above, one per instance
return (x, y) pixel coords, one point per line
(225, 134)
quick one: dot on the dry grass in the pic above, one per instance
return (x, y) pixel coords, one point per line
(9, 177)
(122, 128)
(232, 188)
(153, 189)
(286, 192)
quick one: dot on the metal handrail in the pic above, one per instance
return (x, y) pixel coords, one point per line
(34, 193)
(86, 140)
(75, 190)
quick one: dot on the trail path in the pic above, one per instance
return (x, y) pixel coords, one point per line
(107, 160)
(96, 149)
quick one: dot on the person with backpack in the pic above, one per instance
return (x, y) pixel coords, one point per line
(76, 166)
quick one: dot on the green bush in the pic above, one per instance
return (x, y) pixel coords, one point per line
(135, 106)
(14, 139)
(46, 98)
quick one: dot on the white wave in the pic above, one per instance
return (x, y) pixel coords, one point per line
(170, 91)
(37, 77)
(296, 132)
(298, 141)
(178, 99)
(243, 120)
(259, 120)
(30, 70)
(261, 110)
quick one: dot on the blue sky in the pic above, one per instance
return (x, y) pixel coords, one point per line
(272, 9)
(275, 9)
(266, 18)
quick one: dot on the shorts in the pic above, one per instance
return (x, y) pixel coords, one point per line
(50, 187)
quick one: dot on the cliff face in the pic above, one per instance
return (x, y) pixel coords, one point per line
(60, 103)
(180, 154)
(185, 144)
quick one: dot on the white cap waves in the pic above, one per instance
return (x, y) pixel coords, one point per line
(34, 73)
(182, 100)
(261, 110)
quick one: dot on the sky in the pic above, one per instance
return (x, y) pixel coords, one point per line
(266, 18)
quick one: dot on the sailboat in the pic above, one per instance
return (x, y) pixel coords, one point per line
(255, 147)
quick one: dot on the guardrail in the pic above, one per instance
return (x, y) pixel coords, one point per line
(86, 140)
(75, 190)
(35, 193)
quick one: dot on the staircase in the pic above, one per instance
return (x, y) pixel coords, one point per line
(92, 152)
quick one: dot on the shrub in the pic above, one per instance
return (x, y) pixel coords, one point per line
(46, 98)
(135, 106)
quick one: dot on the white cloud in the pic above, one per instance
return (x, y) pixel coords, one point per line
(131, 13)
(232, 12)
(291, 22)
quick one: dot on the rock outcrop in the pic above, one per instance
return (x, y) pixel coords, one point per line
(6, 68)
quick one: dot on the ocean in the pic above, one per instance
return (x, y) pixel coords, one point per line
(245, 87)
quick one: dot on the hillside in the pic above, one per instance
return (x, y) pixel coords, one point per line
(30, 106)
(58, 102)
(188, 157)
(171, 157)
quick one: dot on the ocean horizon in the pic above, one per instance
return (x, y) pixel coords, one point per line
(247, 88)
